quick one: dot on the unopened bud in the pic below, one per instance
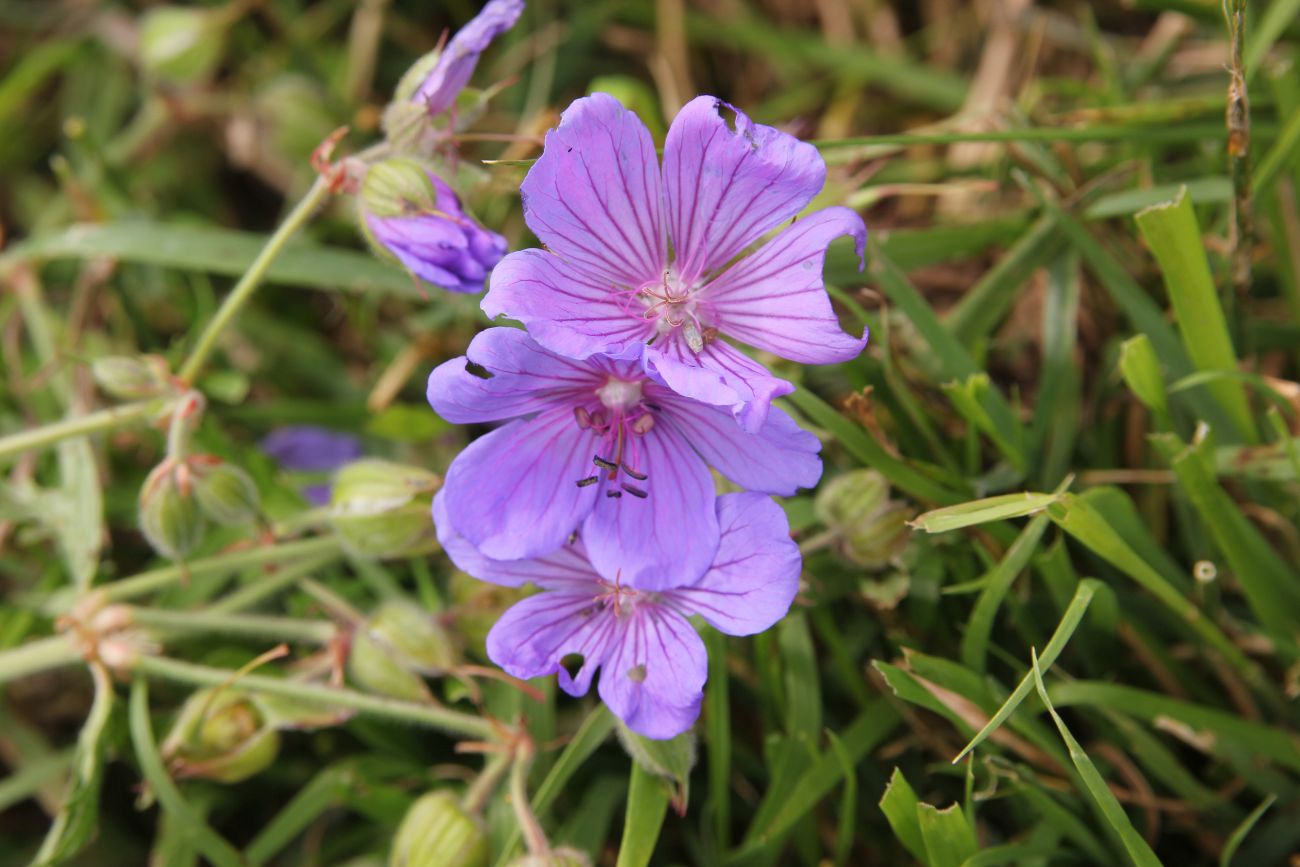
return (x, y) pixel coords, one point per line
(132, 377)
(381, 509)
(875, 542)
(870, 529)
(848, 498)
(169, 513)
(220, 734)
(394, 647)
(562, 857)
(181, 45)
(438, 832)
(226, 494)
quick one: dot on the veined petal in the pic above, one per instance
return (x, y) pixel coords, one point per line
(454, 68)
(593, 197)
(512, 493)
(566, 309)
(654, 672)
(726, 184)
(525, 379)
(720, 375)
(779, 458)
(755, 574)
(666, 538)
(775, 298)
(536, 633)
(565, 567)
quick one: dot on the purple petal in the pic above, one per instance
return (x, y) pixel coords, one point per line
(525, 379)
(566, 309)
(654, 673)
(309, 448)
(557, 570)
(727, 184)
(667, 538)
(536, 633)
(454, 68)
(775, 299)
(593, 197)
(317, 495)
(512, 492)
(779, 458)
(720, 375)
(755, 575)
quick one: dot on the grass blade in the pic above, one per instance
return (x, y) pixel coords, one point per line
(647, 804)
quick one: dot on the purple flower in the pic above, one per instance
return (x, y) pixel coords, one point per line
(456, 63)
(599, 445)
(410, 212)
(653, 663)
(598, 201)
(309, 448)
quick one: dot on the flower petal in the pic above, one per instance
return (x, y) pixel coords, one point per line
(727, 184)
(779, 458)
(562, 568)
(535, 634)
(653, 676)
(525, 378)
(566, 309)
(311, 448)
(720, 375)
(512, 493)
(454, 68)
(666, 538)
(755, 575)
(593, 197)
(775, 298)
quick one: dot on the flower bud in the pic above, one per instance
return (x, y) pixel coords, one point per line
(562, 857)
(875, 542)
(410, 214)
(132, 377)
(1141, 371)
(397, 644)
(438, 832)
(169, 513)
(850, 497)
(381, 509)
(226, 494)
(222, 735)
(870, 529)
(181, 45)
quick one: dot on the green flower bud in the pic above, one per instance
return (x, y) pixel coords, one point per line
(869, 528)
(848, 498)
(438, 832)
(1141, 371)
(132, 377)
(222, 735)
(295, 112)
(181, 45)
(412, 79)
(397, 644)
(169, 513)
(562, 857)
(381, 509)
(398, 186)
(226, 494)
(875, 542)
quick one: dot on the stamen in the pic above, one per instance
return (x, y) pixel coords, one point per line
(614, 494)
(583, 417)
(643, 424)
(635, 491)
(604, 464)
(640, 477)
(590, 480)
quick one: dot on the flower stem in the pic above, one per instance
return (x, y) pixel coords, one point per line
(37, 656)
(157, 579)
(247, 284)
(253, 625)
(534, 836)
(481, 789)
(450, 721)
(95, 422)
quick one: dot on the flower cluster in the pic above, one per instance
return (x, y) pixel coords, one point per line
(624, 396)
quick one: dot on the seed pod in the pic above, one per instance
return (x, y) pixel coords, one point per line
(222, 735)
(169, 513)
(132, 377)
(381, 509)
(438, 832)
(874, 542)
(394, 647)
(848, 498)
(226, 493)
(181, 45)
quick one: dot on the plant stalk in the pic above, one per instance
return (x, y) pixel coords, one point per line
(37, 656)
(95, 422)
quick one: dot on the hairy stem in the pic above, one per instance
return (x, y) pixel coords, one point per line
(95, 422)
(37, 656)
(253, 625)
(534, 836)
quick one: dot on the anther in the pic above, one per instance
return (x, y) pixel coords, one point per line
(614, 494)
(640, 477)
(590, 480)
(635, 491)
(583, 417)
(604, 464)
(642, 425)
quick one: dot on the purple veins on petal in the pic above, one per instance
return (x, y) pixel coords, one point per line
(608, 215)
(651, 661)
(456, 64)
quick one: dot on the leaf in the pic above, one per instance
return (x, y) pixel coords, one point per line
(979, 628)
(899, 804)
(1239, 833)
(670, 760)
(983, 511)
(647, 803)
(80, 520)
(948, 835)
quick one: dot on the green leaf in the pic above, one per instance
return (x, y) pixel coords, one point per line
(983, 511)
(647, 803)
(1238, 835)
(1202, 191)
(948, 835)
(1105, 799)
(670, 760)
(979, 628)
(899, 804)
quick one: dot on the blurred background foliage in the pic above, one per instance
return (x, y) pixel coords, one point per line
(1029, 334)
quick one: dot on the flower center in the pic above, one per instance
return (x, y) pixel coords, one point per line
(671, 304)
(619, 423)
(618, 395)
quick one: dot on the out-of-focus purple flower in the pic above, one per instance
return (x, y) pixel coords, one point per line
(606, 282)
(412, 214)
(598, 444)
(309, 448)
(653, 664)
(456, 63)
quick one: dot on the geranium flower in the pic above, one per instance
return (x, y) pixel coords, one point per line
(601, 446)
(607, 281)
(308, 448)
(455, 64)
(653, 664)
